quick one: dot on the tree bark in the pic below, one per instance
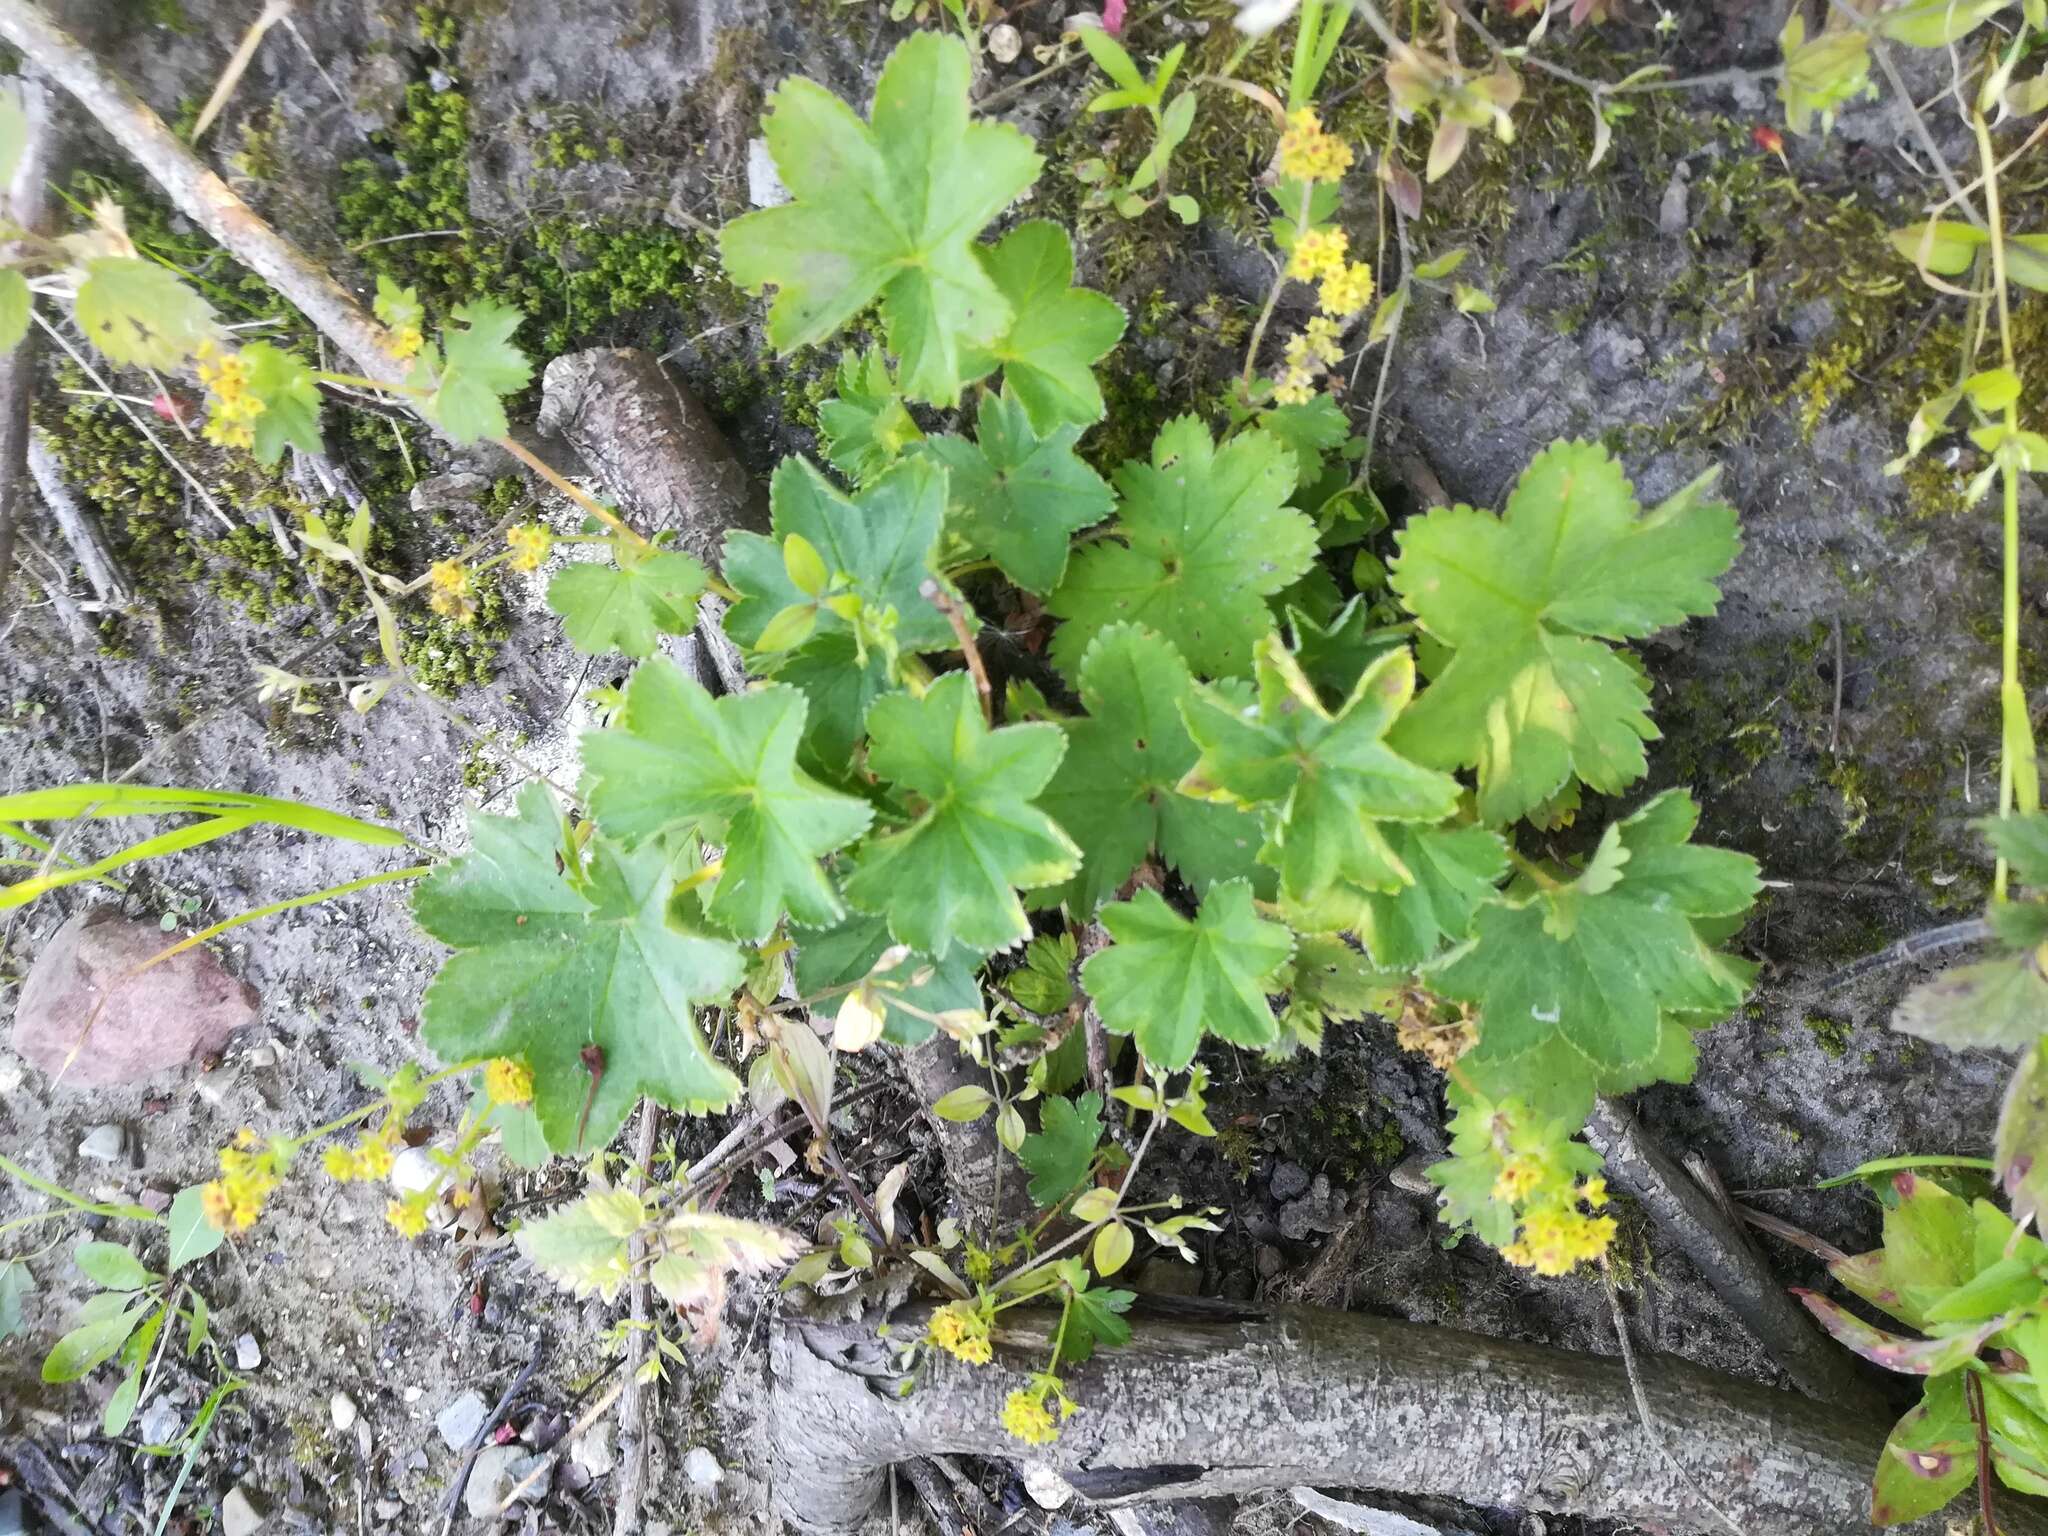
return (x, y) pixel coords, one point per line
(81, 530)
(1216, 1398)
(649, 442)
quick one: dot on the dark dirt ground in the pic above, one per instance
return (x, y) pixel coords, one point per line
(1837, 718)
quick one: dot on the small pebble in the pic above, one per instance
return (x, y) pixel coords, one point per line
(160, 1422)
(248, 1353)
(262, 1056)
(764, 182)
(12, 1073)
(592, 1450)
(1289, 1181)
(104, 1144)
(388, 1509)
(1004, 42)
(10, 1512)
(461, 1420)
(491, 1479)
(702, 1468)
(241, 1515)
(1047, 1488)
(343, 1409)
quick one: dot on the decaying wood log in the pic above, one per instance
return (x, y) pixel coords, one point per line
(1216, 1398)
(648, 442)
(81, 529)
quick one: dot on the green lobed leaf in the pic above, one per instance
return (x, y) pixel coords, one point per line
(886, 210)
(1455, 870)
(1204, 536)
(1531, 694)
(550, 961)
(1062, 1150)
(2021, 1146)
(845, 954)
(840, 687)
(1116, 789)
(93, 1342)
(628, 606)
(879, 543)
(470, 371)
(1997, 1005)
(1019, 496)
(865, 428)
(580, 1246)
(1167, 979)
(1094, 1318)
(1574, 983)
(675, 759)
(1057, 332)
(138, 313)
(950, 876)
(1324, 783)
(2022, 841)
(291, 402)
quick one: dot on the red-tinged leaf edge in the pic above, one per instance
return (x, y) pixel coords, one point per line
(1895, 1352)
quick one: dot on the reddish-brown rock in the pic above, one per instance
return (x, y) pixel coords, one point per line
(169, 1014)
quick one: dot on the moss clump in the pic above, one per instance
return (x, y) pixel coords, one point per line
(1830, 1035)
(447, 655)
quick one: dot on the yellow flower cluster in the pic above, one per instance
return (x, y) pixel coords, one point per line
(1029, 1418)
(508, 1082)
(370, 1158)
(530, 544)
(1316, 253)
(249, 1172)
(231, 415)
(450, 591)
(1557, 1234)
(1346, 290)
(1317, 347)
(1307, 153)
(409, 1215)
(405, 341)
(962, 1331)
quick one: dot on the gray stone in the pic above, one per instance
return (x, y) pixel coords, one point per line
(241, 1514)
(491, 1480)
(10, 1512)
(342, 1408)
(104, 1143)
(764, 182)
(1320, 1210)
(248, 1353)
(592, 1450)
(160, 1422)
(146, 1021)
(1047, 1488)
(460, 1422)
(1289, 1181)
(702, 1468)
(449, 492)
(387, 1509)
(1412, 1176)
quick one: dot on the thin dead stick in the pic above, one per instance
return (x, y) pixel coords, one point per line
(121, 404)
(942, 600)
(475, 1447)
(633, 1409)
(1649, 1420)
(198, 192)
(596, 1411)
(95, 558)
(238, 64)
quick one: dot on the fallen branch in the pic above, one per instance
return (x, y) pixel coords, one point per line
(647, 440)
(1217, 1398)
(632, 1480)
(197, 192)
(1717, 1247)
(26, 205)
(81, 530)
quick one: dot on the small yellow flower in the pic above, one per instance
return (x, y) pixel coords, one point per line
(1346, 289)
(530, 543)
(508, 1082)
(1316, 253)
(409, 1215)
(1307, 153)
(1594, 1192)
(405, 341)
(1026, 1417)
(341, 1164)
(247, 1138)
(450, 592)
(233, 409)
(374, 1155)
(961, 1331)
(1294, 389)
(216, 1207)
(1518, 1178)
